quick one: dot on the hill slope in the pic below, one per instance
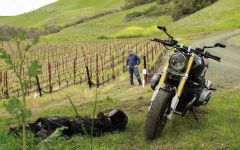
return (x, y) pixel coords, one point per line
(62, 12)
(222, 16)
(108, 25)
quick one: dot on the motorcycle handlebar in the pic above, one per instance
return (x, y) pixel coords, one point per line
(170, 43)
(220, 45)
(209, 55)
(200, 51)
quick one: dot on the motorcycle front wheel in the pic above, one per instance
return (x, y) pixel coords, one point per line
(157, 115)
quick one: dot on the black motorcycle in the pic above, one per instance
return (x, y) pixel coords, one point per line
(181, 87)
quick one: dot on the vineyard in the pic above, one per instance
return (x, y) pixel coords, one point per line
(66, 64)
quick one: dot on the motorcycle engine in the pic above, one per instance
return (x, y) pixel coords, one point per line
(204, 96)
(202, 93)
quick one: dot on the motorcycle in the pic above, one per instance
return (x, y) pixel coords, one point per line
(181, 87)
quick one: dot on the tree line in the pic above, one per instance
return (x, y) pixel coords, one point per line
(8, 32)
(175, 8)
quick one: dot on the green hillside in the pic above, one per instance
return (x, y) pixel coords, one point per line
(62, 12)
(222, 16)
(108, 25)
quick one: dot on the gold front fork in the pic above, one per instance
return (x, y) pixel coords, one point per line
(184, 79)
(163, 77)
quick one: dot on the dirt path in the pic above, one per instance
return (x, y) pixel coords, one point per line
(227, 73)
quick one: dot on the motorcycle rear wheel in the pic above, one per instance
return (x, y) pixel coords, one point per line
(157, 115)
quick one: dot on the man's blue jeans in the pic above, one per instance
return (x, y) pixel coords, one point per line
(134, 70)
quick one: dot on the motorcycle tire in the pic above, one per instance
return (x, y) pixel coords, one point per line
(157, 115)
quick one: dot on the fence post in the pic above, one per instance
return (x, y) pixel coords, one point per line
(6, 85)
(1, 82)
(136, 49)
(113, 72)
(88, 76)
(76, 54)
(145, 71)
(123, 60)
(50, 77)
(38, 87)
(102, 63)
(0, 78)
(152, 53)
(74, 70)
(90, 66)
(97, 71)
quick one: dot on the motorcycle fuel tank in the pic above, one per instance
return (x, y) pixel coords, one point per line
(198, 67)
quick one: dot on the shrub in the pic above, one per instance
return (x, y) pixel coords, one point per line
(151, 12)
(175, 8)
(163, 1)
(133, 16)
(8, 32)
(51, 28)
(103, 37)
(199, 4)
(133, 3)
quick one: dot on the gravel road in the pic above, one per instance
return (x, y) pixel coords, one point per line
(224, 74)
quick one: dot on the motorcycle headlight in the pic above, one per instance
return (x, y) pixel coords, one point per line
(177, 61)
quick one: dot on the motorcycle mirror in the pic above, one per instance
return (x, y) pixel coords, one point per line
(220, 45)
(162, 28)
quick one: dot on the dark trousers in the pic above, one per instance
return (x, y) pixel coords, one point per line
(134, 70)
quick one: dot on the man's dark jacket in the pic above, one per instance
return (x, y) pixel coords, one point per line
(133, 60)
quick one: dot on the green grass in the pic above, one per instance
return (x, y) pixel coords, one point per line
(218, 127)
(62, 12)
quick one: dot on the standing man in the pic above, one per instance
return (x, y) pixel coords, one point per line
(132, 63)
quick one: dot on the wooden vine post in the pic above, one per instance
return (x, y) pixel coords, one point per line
(145, 71)
(88, 77)
(38, 86)
(113, 71)
(6, 92)
(50, 77)
(97, 71)
(74, 70)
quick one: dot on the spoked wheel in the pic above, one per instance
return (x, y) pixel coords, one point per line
(157, 115)
(163, 119)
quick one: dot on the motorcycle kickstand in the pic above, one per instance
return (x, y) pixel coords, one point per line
(194, 115)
